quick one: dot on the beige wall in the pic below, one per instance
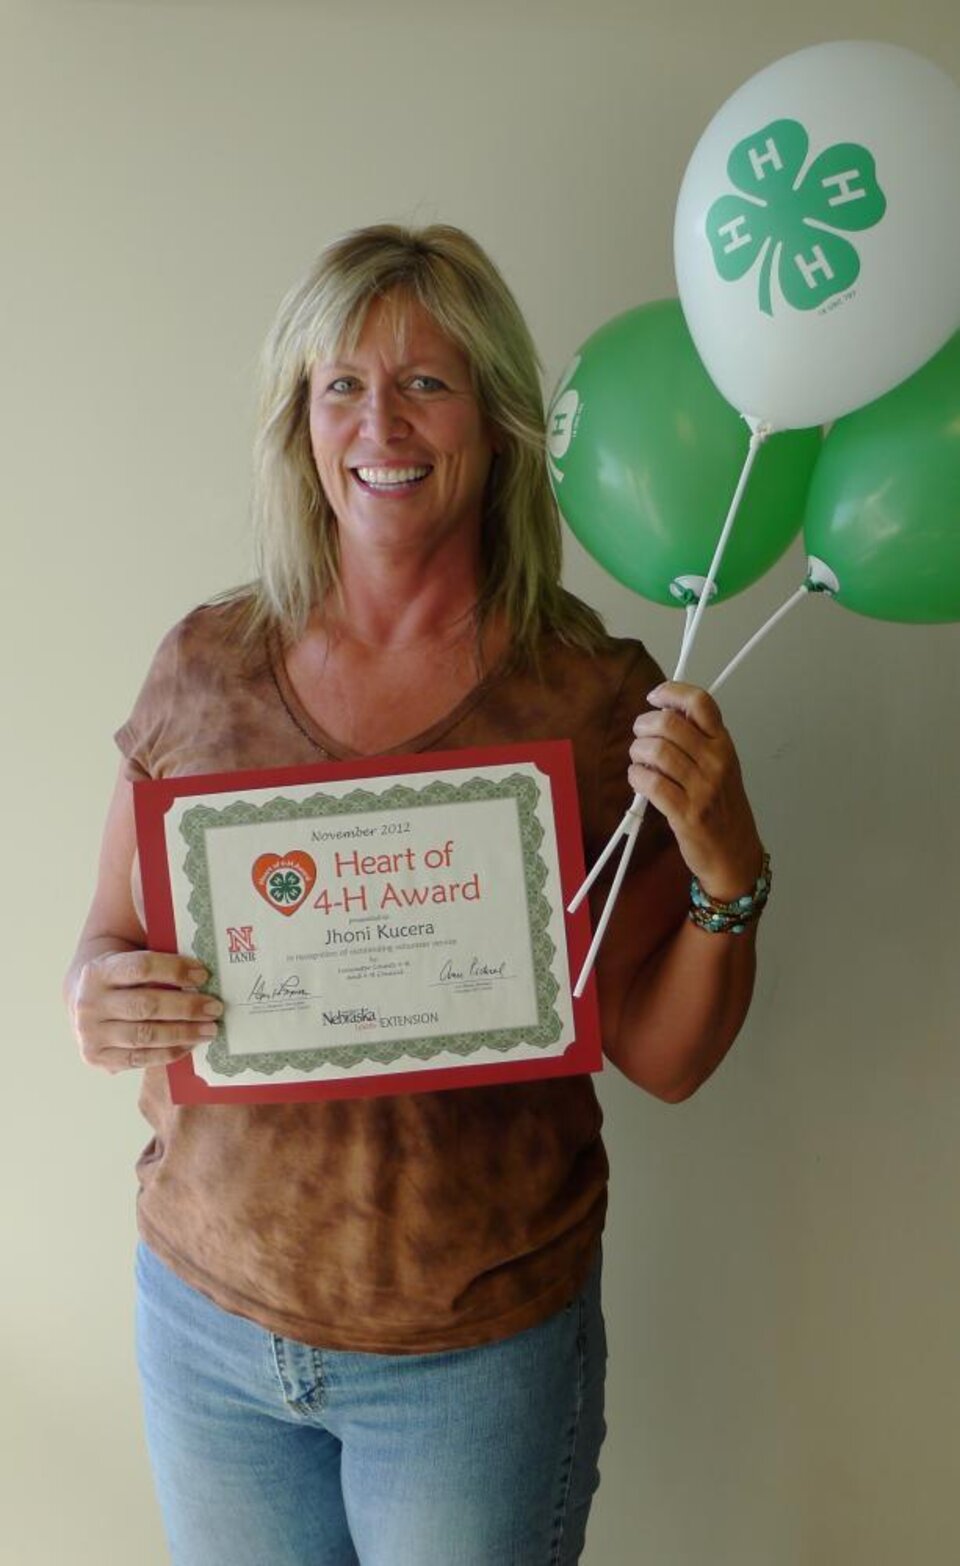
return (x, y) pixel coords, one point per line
(782, 1255)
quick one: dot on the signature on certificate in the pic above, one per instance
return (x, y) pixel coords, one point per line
(458, 972)
(289, 988)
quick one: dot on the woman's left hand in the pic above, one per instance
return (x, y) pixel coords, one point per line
(684, 762)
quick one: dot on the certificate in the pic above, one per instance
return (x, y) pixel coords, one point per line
(392, 925)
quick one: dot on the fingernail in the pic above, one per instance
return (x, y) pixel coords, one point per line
(212, 1008)
(197, 976)
(207, 1030)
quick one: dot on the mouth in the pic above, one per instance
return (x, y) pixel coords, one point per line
(391, 481)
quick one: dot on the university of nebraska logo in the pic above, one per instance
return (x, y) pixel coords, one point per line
(284, 880)
(241, 946)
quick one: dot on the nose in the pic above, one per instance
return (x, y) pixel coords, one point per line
(384, 417)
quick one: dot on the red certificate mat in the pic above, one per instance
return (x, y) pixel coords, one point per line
(392, 925)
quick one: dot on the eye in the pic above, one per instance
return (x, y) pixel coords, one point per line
(427, 383)
(342, 385)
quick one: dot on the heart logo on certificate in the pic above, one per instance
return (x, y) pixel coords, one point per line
(284, 880)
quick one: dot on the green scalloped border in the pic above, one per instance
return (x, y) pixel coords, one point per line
(198, 820)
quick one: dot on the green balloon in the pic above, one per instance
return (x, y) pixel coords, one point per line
(644, 456)
(883, 512)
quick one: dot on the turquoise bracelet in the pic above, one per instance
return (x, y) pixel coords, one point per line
(732, 918)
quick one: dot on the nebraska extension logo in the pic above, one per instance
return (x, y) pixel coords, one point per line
(284, 880)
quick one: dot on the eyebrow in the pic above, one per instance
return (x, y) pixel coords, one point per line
(409, 364)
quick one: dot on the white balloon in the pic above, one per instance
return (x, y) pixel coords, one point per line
(826, 190)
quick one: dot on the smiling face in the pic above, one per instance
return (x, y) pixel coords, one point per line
(400, 444)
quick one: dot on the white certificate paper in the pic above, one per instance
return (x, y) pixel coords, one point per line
(398, 930)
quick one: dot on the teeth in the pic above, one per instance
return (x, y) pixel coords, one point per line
(385, 477)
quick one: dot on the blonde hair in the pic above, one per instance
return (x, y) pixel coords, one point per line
(295, 532)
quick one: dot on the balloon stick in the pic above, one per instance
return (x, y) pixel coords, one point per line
(758, 434)
(629, 827)
(688, 615)
(765, 629)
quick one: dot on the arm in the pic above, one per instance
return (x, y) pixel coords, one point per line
(673, 997)
(130, 1007)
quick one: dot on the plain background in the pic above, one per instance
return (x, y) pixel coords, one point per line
(782, 1260)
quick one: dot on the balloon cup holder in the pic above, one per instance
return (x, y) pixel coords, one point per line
(688, 589)
(820, 578)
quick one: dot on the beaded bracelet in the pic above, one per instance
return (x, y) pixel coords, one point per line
(730, 918)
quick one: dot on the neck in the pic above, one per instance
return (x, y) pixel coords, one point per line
(403, 601)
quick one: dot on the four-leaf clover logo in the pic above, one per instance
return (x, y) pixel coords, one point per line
(784, 221)
(284, 881)
(286, 886)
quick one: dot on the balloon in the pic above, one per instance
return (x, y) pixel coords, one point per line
(818, 228)
(883, 515)
(644, 456)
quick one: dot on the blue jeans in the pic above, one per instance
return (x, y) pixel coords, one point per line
(269, 1453)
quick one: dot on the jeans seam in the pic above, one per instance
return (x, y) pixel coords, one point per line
(567, 1468)
(311, 1400)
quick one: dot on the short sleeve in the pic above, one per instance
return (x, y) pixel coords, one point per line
(141, 739)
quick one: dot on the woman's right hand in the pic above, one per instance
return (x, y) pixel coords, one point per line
(132, 1009)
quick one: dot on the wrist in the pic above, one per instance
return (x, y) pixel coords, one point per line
(730, 915)
(731, 875)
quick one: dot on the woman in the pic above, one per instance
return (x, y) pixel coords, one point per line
(369, 1330)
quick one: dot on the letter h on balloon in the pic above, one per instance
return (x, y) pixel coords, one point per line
(771, 156)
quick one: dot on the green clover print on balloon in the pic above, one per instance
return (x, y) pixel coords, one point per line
(782, 219)
(285, 887)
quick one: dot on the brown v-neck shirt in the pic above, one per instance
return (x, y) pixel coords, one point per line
(412, 1223)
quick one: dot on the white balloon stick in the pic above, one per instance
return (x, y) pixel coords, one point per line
(630, 825)
(759, 432)
(623, 830)
(689, 614)
(778, 614)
